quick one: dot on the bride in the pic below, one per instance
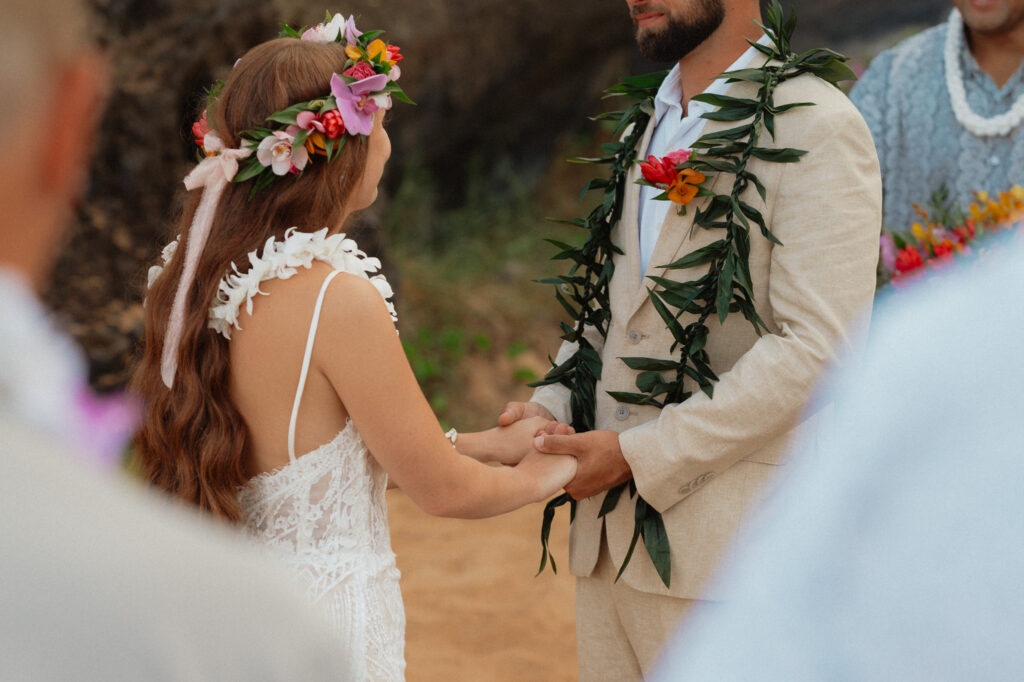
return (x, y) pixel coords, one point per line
(277, 392)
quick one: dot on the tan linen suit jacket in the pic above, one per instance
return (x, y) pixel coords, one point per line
(703, 462)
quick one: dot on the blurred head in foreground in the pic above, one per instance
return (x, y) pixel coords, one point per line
(53, 83)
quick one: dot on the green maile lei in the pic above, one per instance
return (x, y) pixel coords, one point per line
(724, 289)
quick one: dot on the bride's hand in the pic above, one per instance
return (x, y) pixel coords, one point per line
(510, 444)
(550, 472)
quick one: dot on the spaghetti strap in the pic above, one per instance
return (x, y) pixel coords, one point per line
(305, 364)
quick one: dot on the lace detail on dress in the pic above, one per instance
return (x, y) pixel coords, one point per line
(325, 514)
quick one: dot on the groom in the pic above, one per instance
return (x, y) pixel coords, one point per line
(703, 461)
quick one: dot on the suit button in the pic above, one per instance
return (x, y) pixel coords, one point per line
(622, 413)
(635, 336)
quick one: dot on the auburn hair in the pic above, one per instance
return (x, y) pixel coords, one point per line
(194, 443)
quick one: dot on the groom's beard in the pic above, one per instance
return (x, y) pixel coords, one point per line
(681, 35)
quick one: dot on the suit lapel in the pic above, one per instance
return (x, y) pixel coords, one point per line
(630, 219)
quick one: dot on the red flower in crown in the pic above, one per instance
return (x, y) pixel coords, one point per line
(199, 129)
(334, 126)
(360, 71)
(393, 54)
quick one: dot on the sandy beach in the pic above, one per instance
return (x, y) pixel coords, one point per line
(475, 610)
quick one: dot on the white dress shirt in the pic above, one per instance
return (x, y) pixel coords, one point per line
(673, 130)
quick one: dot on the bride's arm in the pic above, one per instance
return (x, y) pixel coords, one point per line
(358, 351)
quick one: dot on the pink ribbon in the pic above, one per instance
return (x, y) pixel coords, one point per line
(213, 174)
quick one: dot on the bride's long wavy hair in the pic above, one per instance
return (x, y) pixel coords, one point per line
(194, 442)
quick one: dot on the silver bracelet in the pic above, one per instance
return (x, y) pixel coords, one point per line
(452, 435)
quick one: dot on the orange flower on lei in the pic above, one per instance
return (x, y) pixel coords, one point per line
(685, 186)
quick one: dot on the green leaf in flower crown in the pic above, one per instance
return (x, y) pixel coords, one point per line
(251, 169)
(369, 36)
(288, 116)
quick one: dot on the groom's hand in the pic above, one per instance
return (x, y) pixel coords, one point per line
(513, 412)
(601, 464)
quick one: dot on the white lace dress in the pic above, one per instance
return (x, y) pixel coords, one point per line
(324, 513)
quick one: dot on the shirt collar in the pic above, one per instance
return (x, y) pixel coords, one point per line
(670, 94)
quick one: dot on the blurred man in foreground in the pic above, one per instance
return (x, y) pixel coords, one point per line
(893, 553)
(99, 580)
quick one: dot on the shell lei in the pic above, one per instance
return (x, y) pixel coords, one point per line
(281, 259)
(997, 126)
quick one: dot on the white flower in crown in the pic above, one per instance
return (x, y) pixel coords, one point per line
(331, 31)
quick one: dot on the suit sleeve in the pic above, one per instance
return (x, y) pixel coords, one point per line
(827, 213)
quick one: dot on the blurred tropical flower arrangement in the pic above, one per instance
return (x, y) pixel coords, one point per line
(945, 235)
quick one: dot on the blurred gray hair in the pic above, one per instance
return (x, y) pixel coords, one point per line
(38, 36)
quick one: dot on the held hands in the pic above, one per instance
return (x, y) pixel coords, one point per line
(600, 462)
(510, 444)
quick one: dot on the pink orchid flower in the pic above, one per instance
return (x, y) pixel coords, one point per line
(351, 32)
(355, 102)
(307, 120)
(278, 152)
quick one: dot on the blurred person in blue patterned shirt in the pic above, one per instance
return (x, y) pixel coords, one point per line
(946, 108)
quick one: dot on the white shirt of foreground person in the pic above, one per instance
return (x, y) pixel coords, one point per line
(898, 552)
(101, 581)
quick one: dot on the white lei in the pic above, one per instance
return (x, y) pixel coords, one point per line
(281, 260)
(999, 125)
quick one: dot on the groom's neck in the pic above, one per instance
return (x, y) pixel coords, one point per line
(698, 69)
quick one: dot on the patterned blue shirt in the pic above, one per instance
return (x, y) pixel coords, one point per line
(921, 146)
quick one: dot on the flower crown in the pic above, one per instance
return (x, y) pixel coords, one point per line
(293, 136)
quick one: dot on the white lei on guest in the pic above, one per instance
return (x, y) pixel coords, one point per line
(281, 259)
(999, 125)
